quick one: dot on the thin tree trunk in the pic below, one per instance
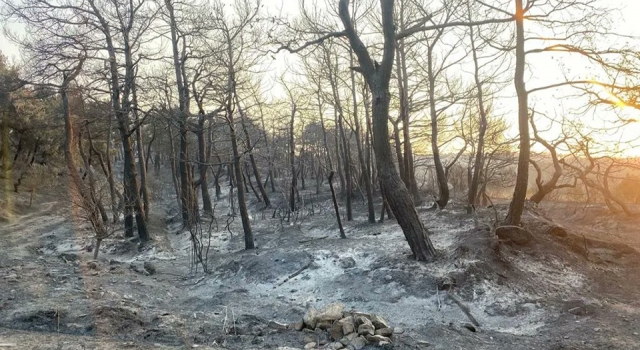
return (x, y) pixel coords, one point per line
(363, 166)
(335, 206)
(252, 160)
(203, 159)
(292, 164)
(142, 164)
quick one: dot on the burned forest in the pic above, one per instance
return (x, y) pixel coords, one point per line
(319, 174)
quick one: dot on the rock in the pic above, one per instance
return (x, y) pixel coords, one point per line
(347, 339)
(324, 325)
(331, 313)
(385, 332)
(347, 324)
(321, 337)
(298, 326)
(278, 325)
(376, 339)
(398, 330)
(359, 343)
(149, 267)
(378, 321)
(92, 265)
(335, 346)
(311, 345)
(336, 331)
(365, 326)
(423, 343)
(310, 318)
(347, 263)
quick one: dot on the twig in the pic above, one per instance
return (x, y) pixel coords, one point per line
(312, 239)
(464, 308)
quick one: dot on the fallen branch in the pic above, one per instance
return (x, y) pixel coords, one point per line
(464, 308)
(312, 239)
(296, 273)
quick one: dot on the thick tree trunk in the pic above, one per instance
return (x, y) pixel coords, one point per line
(522, 178)
(378, 77)
(395, 191)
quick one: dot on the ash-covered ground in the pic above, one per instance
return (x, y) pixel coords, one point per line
(575, 291)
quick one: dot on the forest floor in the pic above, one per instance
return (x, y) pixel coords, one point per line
(552, 293)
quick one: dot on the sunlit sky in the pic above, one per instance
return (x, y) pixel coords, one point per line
(543, 70)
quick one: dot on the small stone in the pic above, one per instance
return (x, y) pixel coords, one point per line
(331, 313)
(378, 321)
(149, 267)
(365, 327)
(336, 331)
(278, 325)
(297, 326)
(398, 330)
(92, 265)
(347, 263)
(375, 339)
(385, 332)
(347, 339)
(359, 343)
(310, 318)
(336, 345)
(311, 345)
(347, 324)
(324, 325)
(388, 278)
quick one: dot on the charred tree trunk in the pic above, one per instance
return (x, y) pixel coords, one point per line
(522, 178)
(378, 77)
(363, 165)
(254, 165)
(203, 159)
(292, 162)
(142, 164)
(335, 206)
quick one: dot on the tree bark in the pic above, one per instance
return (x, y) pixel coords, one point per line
(378, 77)
(363, 165)
(292, 162)
(516, 207)
(335, 206)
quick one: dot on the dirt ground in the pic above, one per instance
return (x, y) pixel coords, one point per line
(575, 292)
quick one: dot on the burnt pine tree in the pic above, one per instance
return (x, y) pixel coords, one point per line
(378, 77)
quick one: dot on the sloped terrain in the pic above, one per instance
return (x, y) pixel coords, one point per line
(548, 294)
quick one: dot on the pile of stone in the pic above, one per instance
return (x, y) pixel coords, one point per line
(334, 328)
